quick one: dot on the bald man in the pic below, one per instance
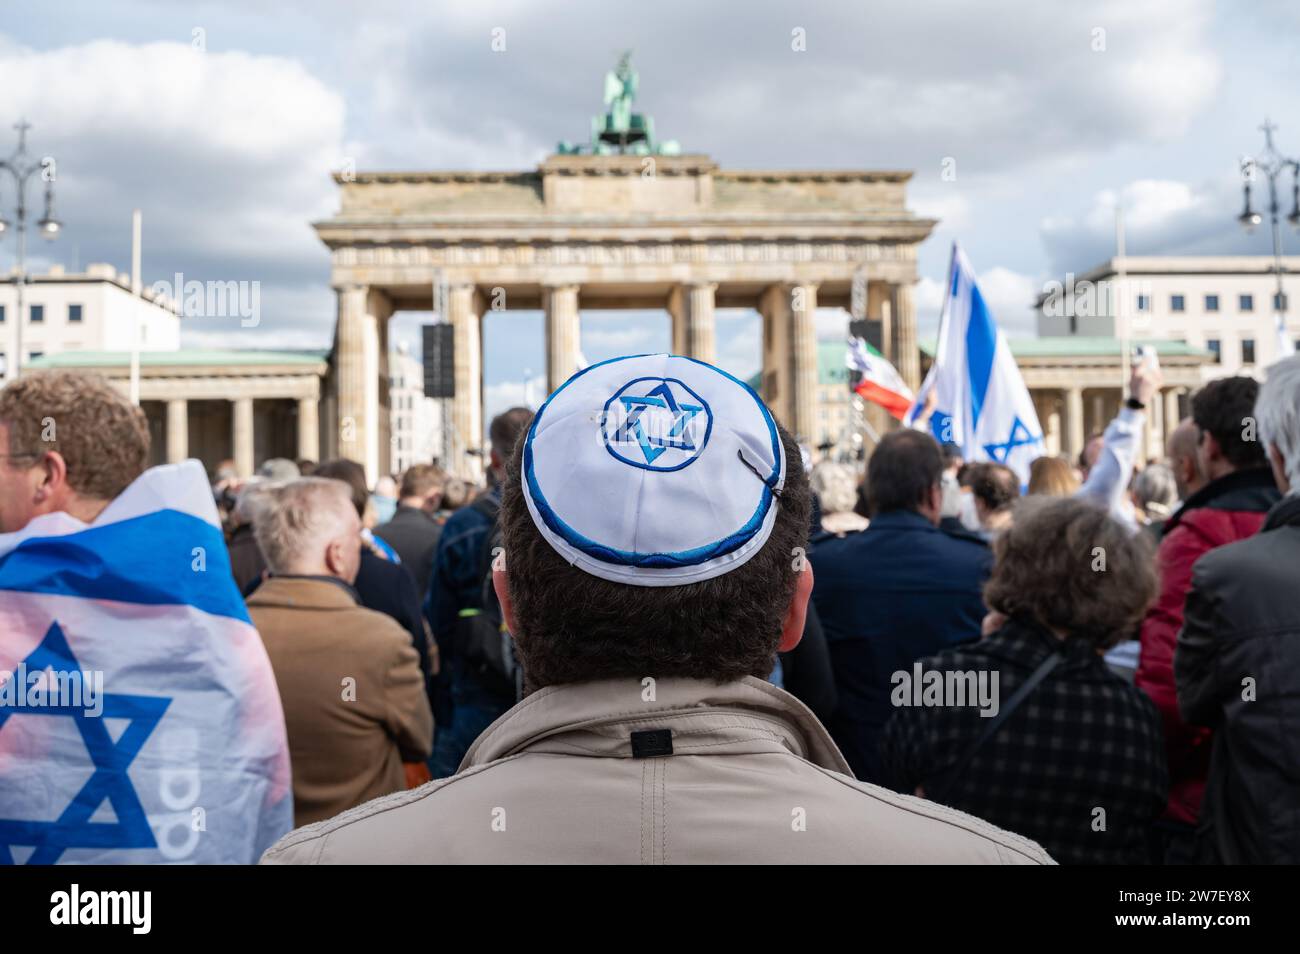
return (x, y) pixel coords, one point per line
(1183, 460)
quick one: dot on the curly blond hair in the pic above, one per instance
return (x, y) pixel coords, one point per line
(101, 436)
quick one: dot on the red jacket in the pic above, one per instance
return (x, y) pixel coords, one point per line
(1223, 511)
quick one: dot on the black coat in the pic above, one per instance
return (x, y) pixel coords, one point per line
(1083, 739)
(1237, 669)
(414, 535)
(387, 588)
(899, 590)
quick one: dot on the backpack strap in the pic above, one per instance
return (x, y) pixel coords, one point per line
(1053, 659)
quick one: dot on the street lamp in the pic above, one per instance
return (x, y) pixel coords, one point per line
(21, 170)
(1272, 164)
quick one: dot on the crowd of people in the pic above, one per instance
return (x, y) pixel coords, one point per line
(626, 629)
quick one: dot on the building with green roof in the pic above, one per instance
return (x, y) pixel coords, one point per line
(218, 405)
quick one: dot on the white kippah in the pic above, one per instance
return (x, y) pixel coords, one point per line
(653, 470)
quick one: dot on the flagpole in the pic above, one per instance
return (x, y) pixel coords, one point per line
(938, 344)
(866, 425)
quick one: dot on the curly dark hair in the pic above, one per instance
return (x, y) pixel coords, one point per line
(1067, 565)
(575, 627)
(1223, 408)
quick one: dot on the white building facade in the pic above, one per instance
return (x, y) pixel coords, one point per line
(91, 311)
(1224, 304)
(415, 421)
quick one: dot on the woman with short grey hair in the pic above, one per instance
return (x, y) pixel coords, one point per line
(836, 487)
(1155, 493)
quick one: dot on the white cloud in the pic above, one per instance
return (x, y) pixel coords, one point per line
(1161, 217)
(507, 394)
(1010, 297)
(227, 154)
(1008, 294)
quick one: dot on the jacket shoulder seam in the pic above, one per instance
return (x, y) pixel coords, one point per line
(320, 831)
(950, 816)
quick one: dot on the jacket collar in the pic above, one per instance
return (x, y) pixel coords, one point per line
(304, 592)
(405, 512)
(1285, 513)
(900, 520)
(598, 718)
(1029, 642)
(1251, 489)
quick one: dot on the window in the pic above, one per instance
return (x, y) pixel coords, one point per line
(1211, 302)
(35, 355)
(1177, 303)
(1279, 303)
(74, 313)
(2, 314)
(37, 314)
(1215, 347)
(1074, 324)
(1247, 350)
(1246, 302)
(1144, 303)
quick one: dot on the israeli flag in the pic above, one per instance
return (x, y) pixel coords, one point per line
(981, 401)
(139, 716)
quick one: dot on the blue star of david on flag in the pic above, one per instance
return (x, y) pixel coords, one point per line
(109, 780)
(1020, 436)
(654, 444)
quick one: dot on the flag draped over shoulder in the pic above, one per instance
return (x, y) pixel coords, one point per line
(881, 383)
(981, 401)
(139, 720)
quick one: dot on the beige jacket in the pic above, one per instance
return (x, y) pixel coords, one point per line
(752, 778)
(352, 690)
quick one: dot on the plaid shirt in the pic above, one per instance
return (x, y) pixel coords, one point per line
(1082, 740)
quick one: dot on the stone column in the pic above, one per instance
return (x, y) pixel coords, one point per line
(464, 308)
(563, 333)
(1172, 419)
(691, 307)
(1098, 422)
(880, 307)
(308, 429)
(1074, 421)
(362, 369)
(907, 355)
(242, 435)
(1052, 434)
(776, 385)
(803, 351)
(178, 430)
(676, 309)
(354, 383)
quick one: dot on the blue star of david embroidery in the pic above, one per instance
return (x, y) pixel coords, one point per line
(109, 781)
(653, 445)
(1019, 437)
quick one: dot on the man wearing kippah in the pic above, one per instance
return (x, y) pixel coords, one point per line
(654, 518)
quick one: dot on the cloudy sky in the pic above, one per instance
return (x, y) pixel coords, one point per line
(223, 120)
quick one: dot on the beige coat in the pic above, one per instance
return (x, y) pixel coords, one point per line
(352, 690)
(752, 778)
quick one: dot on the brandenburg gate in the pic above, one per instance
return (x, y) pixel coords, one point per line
(611, 229)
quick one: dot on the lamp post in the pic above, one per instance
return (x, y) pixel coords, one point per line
(1272, 164)
(20, 170)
